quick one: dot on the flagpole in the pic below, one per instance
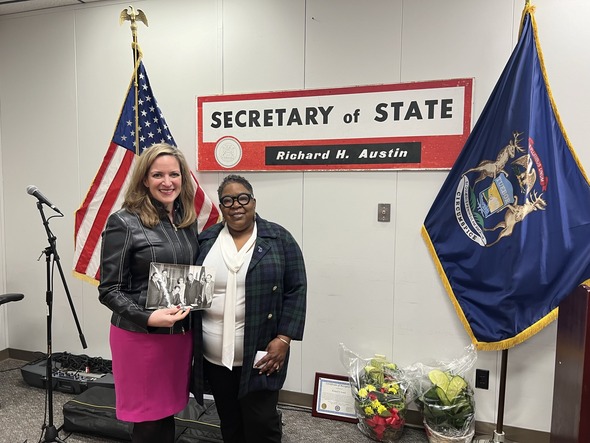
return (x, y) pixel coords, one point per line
(498, 435)
(132, 15)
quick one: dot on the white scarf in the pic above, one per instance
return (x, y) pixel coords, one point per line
(234, 260)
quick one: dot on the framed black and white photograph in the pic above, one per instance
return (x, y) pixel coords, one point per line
(187, 286)
(332, 398)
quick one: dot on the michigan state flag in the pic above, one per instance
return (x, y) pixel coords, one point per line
(510, 228)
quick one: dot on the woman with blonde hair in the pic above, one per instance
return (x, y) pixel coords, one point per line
(151, 349)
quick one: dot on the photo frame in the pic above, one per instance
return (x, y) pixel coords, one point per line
(332, 398)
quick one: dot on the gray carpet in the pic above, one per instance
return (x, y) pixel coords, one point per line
(23, 414)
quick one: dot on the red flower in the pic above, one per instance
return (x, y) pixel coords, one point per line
(378, 425)
(394, 420)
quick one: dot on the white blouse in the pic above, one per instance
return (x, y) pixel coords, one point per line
(213, 317)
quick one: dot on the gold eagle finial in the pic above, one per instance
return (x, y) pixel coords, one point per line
(132, 15)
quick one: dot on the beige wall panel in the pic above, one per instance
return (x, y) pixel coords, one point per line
(350, 260)
(38, 109)
(263, 45)
(353, 43)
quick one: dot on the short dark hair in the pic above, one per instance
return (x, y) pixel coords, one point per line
(233, 178)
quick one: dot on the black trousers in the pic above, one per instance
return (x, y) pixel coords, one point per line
(251, 419)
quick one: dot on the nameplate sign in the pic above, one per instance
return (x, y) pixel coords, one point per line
(421, 125)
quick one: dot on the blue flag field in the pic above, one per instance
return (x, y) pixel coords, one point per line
(509, 231)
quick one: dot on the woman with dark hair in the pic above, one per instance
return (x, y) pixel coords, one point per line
(258, 307)
(151, 349)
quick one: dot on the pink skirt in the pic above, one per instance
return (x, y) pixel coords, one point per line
(151, 373)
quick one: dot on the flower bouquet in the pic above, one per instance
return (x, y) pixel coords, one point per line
(379, 392)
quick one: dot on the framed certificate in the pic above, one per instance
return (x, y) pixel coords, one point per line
(332, 398)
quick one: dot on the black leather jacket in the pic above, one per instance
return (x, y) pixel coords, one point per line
(128, 248)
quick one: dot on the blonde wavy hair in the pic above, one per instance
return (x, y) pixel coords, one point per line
(138, 199)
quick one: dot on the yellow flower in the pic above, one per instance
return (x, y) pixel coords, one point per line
(381, 409)
(392, 387)
(375, 404)
(369, 410)
(371, 388)
(363, 393)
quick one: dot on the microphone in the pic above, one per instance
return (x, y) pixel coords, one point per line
(34, 191)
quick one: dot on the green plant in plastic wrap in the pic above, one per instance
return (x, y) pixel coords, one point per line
(445, 397)
(448, 405)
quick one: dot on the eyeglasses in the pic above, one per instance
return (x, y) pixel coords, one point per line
(227, 201)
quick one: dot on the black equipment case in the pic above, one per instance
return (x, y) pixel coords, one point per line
(93, 412)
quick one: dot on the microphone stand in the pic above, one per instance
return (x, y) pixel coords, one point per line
(51, 433)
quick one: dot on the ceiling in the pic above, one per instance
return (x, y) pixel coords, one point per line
(15, 6)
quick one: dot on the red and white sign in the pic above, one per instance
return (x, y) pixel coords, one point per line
(420, 125)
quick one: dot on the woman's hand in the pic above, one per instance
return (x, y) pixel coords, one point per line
(165, 318)
(274, 360)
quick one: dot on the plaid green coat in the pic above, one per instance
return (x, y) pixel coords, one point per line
(276, 289)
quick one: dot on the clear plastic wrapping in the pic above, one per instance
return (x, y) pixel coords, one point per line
(381, 394)
(442, 391)
(445, 397)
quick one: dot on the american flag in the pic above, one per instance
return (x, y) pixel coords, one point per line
(107, 191)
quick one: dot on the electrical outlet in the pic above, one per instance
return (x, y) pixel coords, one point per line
(482, 378)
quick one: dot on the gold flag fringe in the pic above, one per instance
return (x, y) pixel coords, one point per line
(446, 284)
(85, 278)
(479, 345)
